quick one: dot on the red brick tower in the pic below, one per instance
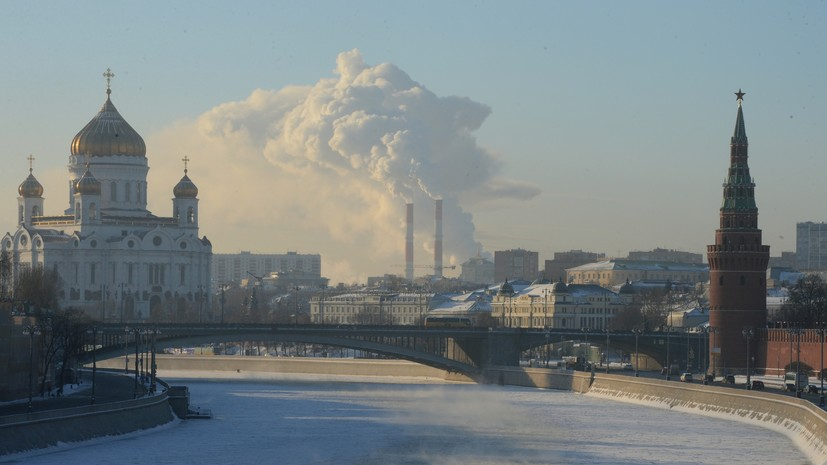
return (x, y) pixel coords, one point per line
(737, 265)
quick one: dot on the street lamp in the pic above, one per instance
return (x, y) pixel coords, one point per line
(94, 333)
(607, 349)
(31, 331)
(586, 335)
(668, 364)
(223, 300)
(821, 372)
(748, 335)
(637, 332)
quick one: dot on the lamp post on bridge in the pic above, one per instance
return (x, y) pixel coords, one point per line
(637, 332)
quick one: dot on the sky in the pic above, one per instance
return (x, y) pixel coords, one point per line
(543, 125)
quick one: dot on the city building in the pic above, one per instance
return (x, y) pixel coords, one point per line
(116, 260)
(614, 273)
(811, 246)
(737, 265)
(515, 264)
(786, 260)
(235, 267)
(665, 255)
(370, 308)
(477, 270)
(555, 269)
(558, 305)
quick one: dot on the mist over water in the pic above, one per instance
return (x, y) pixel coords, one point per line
(375, 421)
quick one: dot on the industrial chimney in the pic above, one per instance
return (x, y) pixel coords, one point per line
(409, 260)
(438, 238)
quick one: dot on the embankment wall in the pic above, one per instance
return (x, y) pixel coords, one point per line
(19, 433)
(319, 366)
(799, 419)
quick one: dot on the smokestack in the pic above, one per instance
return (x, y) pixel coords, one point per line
(438, 238)
(409, 261)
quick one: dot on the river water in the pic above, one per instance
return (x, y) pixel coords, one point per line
(307, 419)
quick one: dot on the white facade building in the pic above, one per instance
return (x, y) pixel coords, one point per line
(117, 261)
(370, 308)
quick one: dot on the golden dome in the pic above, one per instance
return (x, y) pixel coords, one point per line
(30, 187)
(87, 184)
(108, 134)
(185, 189)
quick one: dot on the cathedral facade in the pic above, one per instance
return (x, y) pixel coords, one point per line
(116, 260)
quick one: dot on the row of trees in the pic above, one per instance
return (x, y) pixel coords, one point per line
(62, 332)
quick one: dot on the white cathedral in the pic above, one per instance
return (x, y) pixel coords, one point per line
(116, 260)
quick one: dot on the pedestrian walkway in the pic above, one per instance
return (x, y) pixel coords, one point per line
(109, 387)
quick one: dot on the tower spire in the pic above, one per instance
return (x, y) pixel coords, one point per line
(737, 263)
(740, 134)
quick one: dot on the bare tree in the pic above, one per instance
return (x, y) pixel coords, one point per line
(807, 303)
(38, 286)
(5, 274)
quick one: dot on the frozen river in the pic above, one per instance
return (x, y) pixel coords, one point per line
(362, 421)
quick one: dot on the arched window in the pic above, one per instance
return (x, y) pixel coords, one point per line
(127, 192)
(35, 211)
(113, 191)
(138, 192)
(190, 215)
(77, 211)
(93, 211)
(175, 213)
(20, 214)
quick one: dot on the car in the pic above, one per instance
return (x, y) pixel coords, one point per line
(686, 377)
(757, 385)
(729, 379)
(628, 366)
(813, 389)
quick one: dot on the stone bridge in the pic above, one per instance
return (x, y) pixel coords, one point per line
(463, 350)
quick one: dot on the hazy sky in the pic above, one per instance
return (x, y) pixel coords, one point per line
(549, 126)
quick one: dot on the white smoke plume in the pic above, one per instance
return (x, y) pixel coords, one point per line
(328, 169)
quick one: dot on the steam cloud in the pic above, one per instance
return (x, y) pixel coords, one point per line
(328, 168)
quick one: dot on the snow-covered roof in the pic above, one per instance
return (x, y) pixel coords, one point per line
(640, 265)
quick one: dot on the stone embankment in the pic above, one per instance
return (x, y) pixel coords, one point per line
(799, 419)
(37, 430)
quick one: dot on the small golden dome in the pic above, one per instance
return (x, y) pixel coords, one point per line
(108, 134)
(185, 189)
(30, 187)
(87, 184)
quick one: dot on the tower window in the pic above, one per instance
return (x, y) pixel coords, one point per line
(720, 280)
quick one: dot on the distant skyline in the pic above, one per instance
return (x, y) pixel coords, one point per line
(547, 126)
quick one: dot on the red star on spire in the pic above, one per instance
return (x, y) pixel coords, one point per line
(740, 95)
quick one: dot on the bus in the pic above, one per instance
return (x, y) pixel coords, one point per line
(793, 384)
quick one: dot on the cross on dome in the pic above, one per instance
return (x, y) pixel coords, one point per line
(108, 75)
(186, 160)
(31, 159)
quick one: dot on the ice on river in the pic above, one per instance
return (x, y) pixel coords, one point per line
(292, 419)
